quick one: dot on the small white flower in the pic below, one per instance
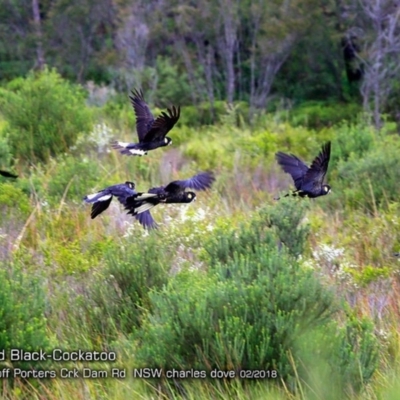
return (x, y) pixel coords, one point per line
(328, 253)
(183, 213)
(199, 215)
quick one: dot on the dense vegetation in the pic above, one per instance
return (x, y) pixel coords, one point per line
(267, 53)
(235, 281)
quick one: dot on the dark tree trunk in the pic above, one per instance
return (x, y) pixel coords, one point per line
(39, 64)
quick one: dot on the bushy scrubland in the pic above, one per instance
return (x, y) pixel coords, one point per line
(235, 281)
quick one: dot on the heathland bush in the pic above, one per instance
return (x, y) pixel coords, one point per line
(119, 298)
(351, 140)
(73, 178)
(371, 180)
(251, 310)
(337, 360)
(5, 151)
(272, 227)
(44, 115)
(13, 201)
(317, 114)
(22, 308)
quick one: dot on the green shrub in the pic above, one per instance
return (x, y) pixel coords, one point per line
(119, 298)
(119, 110)
(271, 227)
(5, 152)
(244, 314)
(248, 319)
(45, 114)
(351, 140)
(372, 180)
(270, 136)
(66, 258)
(359, 352)
(13, 201)
(337, 361)
(252, 309)
(319, 114)
(207, 114)
(286, 218)
(73, 178)
(172, 84)
(22, 307)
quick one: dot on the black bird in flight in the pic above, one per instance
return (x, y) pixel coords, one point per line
(309, 181)
(102, 199)
(174, 192)
(8, 174)
(151, 132)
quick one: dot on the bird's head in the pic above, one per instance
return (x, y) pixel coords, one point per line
(326, 189)
(130, 185)
(189, 197)
(167, 141)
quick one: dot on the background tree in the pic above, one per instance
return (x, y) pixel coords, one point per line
(79, 35)
(38, 34)
(228, 50)
(381, 39)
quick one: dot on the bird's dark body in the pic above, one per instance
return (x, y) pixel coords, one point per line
(144, 147)
(307, 180)
(173, 193)
(151, 132)
(102, 199)
(7, 174)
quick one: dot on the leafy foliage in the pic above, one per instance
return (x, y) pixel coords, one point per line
(67, 181)
(22, 307)
(45, 114)
(374, 176)
(13, 200)
(5, 151)
(249, 312)
(120, 297)
(318, 114)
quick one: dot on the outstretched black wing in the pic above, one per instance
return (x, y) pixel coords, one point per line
(200, 181)
(102, 199)
(163, 124)
(293, 166)
(146, 220)
(315, 175)
(7, 174)
(99, 207)
(141, 202)
(144, 117)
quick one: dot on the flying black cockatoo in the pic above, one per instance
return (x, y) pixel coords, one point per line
(102, 199)
(174, 192)
(309, 181)
(151, 132)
